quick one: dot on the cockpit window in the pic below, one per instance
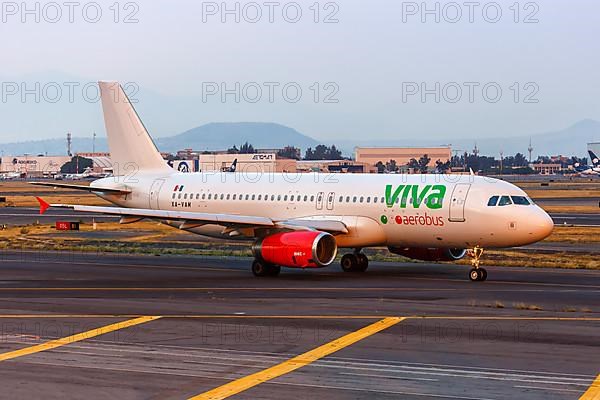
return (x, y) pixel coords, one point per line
(493, 201)
(520, 200)
(505, 201)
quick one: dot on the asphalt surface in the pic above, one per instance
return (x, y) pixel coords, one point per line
(26, 216)
(523, 334)
(578, 219)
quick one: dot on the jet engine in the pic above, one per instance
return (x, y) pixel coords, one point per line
(298, 249)
(429, 254)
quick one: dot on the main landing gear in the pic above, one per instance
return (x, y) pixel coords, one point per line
(261, 268)
(477, 274)
(355, 262)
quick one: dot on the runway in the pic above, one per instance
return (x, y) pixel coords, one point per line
(183, 327)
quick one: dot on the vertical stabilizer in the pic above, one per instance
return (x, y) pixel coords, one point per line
(129, 143)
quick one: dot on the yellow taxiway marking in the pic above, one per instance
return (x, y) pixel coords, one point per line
(75, 338)
(184, 316)
(593, 393)
(247, 382)
(332, 317)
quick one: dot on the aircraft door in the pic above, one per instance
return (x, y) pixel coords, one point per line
(458, 201)
(155, 193)
(330, 200)
(320, 197)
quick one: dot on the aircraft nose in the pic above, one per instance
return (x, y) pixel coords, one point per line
(543, 225)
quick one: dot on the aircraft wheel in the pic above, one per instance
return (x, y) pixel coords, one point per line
(349, 263)
(363, 262)
(483, 274)
(274, 270)
(260, 268)
(474, 275)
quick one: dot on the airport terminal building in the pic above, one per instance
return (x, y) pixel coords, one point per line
(402, 155)
(257, 162)
(33, 165)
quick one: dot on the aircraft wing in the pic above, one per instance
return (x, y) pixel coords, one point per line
(81, 187)
(183, 216)
(197, 219)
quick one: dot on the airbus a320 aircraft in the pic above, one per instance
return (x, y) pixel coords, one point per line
(301, 220)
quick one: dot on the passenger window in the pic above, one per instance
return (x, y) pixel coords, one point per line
(341, 199)
(253, 197)
(247, 197)
(285, 198)
(234, 196)
(179, 197)
(312, 198)
(203, 196)
(272, 197)
(174, 194)
(305, 197)
(493, 201)
(292, 198)
(279, 198)
(354, 199)
(209, 196)
(185, 196)
(222, 196)
(259, 197)
(362, 199)
(197, 196)
(375, 199)
(520, 200)
(505, 201)
(368, 199)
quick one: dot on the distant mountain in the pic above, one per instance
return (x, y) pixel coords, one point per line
(570, 141)
(221, 136)
(215, 136)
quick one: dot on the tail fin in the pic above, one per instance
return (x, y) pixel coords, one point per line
(594, 158)
(128, 140)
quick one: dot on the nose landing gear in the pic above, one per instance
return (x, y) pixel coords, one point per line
(477, 274)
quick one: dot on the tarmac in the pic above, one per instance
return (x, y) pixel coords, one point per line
(140, 327)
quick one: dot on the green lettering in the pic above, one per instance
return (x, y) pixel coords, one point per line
(390, 198)
(417, 198)
(436, 200)
(405, 196)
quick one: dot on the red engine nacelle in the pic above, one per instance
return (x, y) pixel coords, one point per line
(301, 249)
(426, 254)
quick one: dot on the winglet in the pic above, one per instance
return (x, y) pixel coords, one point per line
(43, 205)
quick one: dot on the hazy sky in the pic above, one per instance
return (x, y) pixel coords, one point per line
(369, 68)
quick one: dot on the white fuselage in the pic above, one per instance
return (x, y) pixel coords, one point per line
(442, 211)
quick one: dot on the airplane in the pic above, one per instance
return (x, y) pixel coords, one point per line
(10, 176)
(302, 220)
(590, 170)
(88, 173)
